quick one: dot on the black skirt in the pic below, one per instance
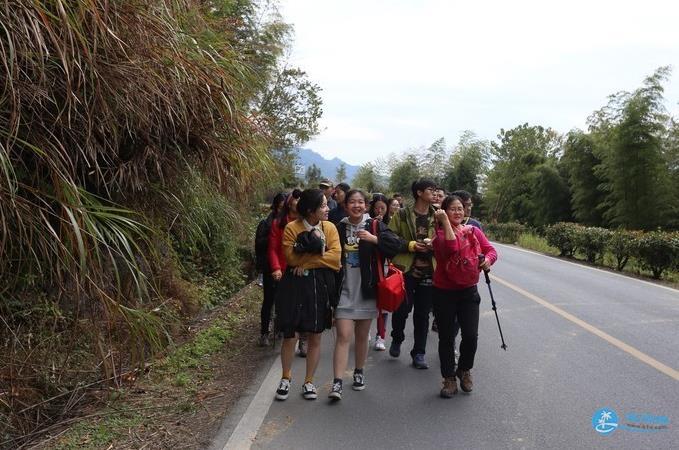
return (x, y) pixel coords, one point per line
(303, 304)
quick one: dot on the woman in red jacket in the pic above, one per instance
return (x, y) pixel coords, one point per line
(275, 255)
(457, 248)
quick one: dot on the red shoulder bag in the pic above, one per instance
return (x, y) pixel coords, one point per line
(391, 288)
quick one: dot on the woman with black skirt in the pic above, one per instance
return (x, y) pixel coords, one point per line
(307, 291)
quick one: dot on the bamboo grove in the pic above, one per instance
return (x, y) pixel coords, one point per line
(131, 136)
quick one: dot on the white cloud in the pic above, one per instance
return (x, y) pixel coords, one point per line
(399, 73)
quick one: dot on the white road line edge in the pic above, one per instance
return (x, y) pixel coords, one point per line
(245, 432)
(514, 247)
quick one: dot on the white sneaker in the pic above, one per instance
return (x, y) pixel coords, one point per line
(379, 344)
(283, 389)
(309, 391)
(302, 347)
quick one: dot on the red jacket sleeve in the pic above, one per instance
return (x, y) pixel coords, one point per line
(275, 243)
(444, 248)
(487, 249)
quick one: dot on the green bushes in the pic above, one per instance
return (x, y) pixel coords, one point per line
(562, 235)
(656, 251)
(592, 241)
(622, 244)
(505, 232)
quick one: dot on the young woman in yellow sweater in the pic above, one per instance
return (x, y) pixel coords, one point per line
(307, 291)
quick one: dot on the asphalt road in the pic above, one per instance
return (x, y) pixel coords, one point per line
(579, 340)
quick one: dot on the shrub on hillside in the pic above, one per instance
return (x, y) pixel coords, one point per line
(658, 251)
(505, 232)
(562, 235)
(592, 241)
(622, 244)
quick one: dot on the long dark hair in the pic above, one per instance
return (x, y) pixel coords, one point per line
(279, 197)
(309, 201)
(373, 202)
(285, 211)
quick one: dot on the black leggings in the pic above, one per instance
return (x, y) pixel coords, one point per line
(463, 305)
(270, 286)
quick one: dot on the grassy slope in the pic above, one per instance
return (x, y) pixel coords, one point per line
(181, 399)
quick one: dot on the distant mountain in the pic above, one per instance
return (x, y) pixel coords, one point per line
(306, 157)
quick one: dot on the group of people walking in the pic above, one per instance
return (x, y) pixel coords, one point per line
(321, 250)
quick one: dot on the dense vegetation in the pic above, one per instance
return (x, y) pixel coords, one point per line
(131, 136)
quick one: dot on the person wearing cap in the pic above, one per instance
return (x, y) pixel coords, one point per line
(326, 187)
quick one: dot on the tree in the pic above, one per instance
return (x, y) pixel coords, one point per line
(288, 112)
(433, 161)
(637, 184)
(549, 195)
(367, 178)
(341, 173)
(313, 175)
(404, 174)
(467, 164)
(580, 161)
(520, 151)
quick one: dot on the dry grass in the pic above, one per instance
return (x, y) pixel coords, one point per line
(104, 105)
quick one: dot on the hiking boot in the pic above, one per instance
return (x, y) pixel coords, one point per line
(395, 349)
(449, 387)
(379, 344)
(309, 391)
(302, 347)
(264, 341)
(283, 389)
(359, 382)
(336, 391)
(419, 362)
(465, 377)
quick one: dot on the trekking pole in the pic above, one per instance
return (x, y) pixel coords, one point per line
(492, 300)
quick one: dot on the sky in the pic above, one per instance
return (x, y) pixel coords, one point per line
(399, 74)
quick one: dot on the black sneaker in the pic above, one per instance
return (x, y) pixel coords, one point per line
(395, 349)
(283, 389)
(359, 382)
(336, 391)
(309, 391)
(419, 362)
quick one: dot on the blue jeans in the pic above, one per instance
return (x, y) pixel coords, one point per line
(418, 298)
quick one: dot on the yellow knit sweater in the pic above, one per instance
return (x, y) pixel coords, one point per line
(330, 259)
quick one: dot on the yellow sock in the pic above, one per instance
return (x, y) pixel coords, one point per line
(287, 375)
(309, 380)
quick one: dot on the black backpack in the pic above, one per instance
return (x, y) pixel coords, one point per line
(262, 244)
